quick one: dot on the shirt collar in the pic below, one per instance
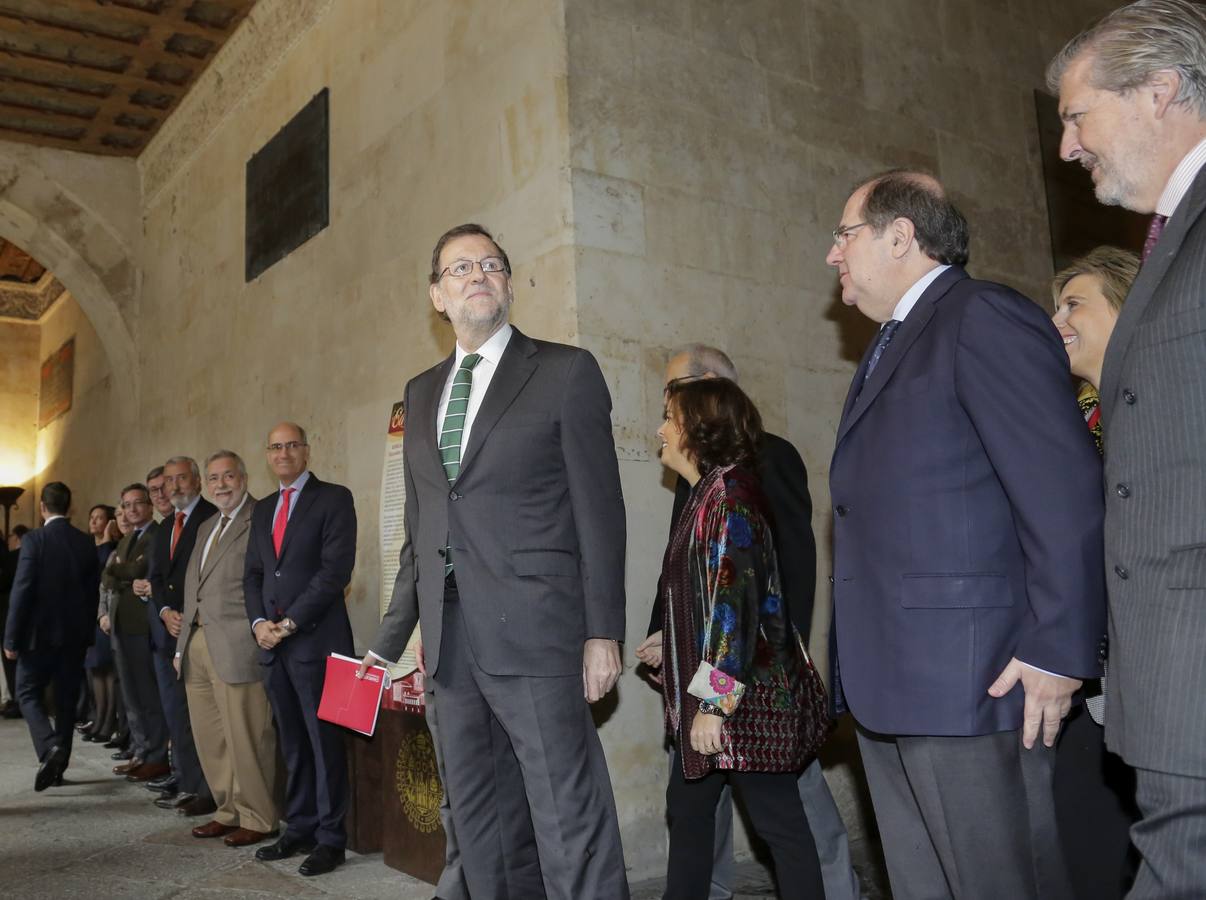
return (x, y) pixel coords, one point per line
(50, 519)
(188, 510)
(298, 483)
(1182, 179)
(492, 350)
(913, 294)
(242, 503)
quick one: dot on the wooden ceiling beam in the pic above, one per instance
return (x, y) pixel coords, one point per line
(73, 37)
(77, 118)
(47, 92)
(159, 23)
(59, 67)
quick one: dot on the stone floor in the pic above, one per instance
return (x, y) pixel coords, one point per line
(98, 838)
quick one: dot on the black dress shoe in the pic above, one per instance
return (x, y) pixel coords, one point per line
(121, 754)
(166, 783)
(171, 801)
(12, 712)
(117, 742)
(324, 859)
(288, 845)
(81, 727)
(51, 770)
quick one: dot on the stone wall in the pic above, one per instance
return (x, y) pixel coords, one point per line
(19, 364)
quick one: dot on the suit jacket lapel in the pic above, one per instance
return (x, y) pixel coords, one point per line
(239, 525)
(514, 370)
(1150, 275)
(301, 503)
(425, 409)
(906, 334)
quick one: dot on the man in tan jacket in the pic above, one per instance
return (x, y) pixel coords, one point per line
(216, 655)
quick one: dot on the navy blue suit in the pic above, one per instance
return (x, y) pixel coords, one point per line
(51, 623)
(306, 583)
(166, 574)
(967, 531)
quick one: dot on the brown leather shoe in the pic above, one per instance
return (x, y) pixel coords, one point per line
(198, 806)
(147, 771)
(245, 837)
(213, 829)
(127, 767)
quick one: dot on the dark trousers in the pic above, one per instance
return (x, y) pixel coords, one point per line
(969, 818)
(1095, 809)
(773, 803)
(316, 785)
(63, 669)
(493, 728)
(186, 765)
(144, 710)
(1171, 836)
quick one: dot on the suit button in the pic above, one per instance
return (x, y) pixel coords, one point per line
(453, 495)
(277, 574)
(1123, 490)
(1121, 573)
(841, 511)
(1129, 396)
(831, 579)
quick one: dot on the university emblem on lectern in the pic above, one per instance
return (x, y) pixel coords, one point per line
(418, 782)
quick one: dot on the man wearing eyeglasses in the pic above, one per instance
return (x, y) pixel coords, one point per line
(300, 554)
(514, 564)
(968, 586)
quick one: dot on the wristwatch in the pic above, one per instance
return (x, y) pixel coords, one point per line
(710, 709)
(289, 625)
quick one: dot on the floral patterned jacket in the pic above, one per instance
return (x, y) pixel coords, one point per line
(726, 638)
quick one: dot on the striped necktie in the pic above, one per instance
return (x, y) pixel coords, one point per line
(453, 429)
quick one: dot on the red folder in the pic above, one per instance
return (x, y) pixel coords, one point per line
(350, 701)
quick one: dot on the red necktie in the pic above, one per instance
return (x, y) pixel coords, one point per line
(176, 529)
(1154, 229)
(282, 519)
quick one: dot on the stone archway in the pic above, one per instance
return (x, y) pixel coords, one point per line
(82, 248)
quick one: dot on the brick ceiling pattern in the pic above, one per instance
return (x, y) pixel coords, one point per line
(101, 76)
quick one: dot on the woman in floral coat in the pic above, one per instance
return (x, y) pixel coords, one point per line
(743, 703)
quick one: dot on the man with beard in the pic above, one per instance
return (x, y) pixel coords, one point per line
(1132, 95)
(165, 589)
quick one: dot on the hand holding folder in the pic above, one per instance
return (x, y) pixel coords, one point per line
(350, 701)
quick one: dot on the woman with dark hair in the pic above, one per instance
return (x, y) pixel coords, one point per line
(743, 702)
(102, 523)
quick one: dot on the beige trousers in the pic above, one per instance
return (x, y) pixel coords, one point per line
(232, 727)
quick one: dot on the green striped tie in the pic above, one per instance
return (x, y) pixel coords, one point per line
(454, 427)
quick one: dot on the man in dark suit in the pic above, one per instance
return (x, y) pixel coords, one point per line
(785, 483)
(123, 616)
(1132, 93)
(968, 595)
(164, 587)
(300, 553)
(514, 562)
(51, 623)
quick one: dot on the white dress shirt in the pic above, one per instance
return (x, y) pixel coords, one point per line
(913, 294)
(214, 536)
(491, 352)
(1182, 179)
(298, 483)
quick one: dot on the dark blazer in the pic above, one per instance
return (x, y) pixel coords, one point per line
(307, 582)
(55, 590)
(785, 484)
(167, 572)
(118, 601)
(536, 516)
(967, 517)
(1153, 405)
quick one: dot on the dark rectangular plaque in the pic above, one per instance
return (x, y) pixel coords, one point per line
(288, 188)
(54, 394)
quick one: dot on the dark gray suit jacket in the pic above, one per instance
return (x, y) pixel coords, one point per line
(535, 518)
(1153, 402)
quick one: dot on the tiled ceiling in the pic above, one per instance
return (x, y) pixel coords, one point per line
(27, 290)
(101, 76)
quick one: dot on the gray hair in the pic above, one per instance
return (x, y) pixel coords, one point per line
(702, 359)
(1132, 43)
(301, 432)
(154, 473)
(227, 454)
(181, 460)
(940, 229)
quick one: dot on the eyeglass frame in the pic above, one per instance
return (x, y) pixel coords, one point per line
(291, 446)
(480, 263)
(841, 234)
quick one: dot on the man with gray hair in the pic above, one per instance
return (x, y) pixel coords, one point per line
(174, 543)
(785, 482)
(218, 661)
(1132, 95)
